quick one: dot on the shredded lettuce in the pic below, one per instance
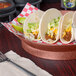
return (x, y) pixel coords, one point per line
(32, 27)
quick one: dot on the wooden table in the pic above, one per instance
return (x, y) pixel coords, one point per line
(8, 41)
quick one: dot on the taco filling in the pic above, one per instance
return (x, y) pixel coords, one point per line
(52, 29)
(67, 33)
(33, 30)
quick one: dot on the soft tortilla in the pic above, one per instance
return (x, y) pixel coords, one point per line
(33, 18)
(74, 24)
(46, 18)
(66, 19)
(74, 19)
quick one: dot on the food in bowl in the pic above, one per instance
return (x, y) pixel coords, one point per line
(4, 5)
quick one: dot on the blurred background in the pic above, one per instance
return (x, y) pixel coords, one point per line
(7, 14)
(51, 1)
(46, 4)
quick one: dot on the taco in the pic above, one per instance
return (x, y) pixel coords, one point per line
(31, 26)
(50, 25)
(67, 32)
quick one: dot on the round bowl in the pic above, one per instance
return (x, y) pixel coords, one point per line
(49, 51)
(8, 9)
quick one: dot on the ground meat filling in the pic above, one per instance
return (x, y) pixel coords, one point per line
(49, 37)
(36, 36)
(67, 37)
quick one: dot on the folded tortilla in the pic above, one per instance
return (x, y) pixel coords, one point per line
(67, 32)
(50, 25)
(31, 25)
(74, 19)
(74, 24)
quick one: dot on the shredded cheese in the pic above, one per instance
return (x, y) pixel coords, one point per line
(35, 32)
(55, 31)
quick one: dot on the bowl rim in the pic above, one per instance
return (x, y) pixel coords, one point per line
(8, 8)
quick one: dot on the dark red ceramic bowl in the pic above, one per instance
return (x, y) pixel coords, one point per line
(47, 51)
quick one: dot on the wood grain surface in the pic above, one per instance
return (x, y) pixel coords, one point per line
(8, 41)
